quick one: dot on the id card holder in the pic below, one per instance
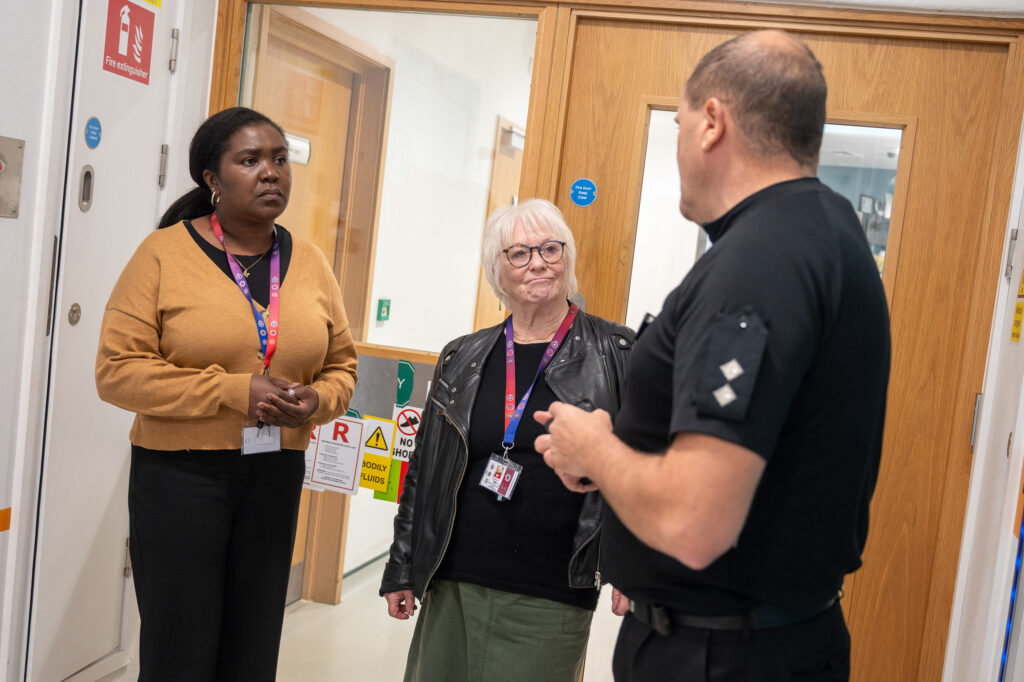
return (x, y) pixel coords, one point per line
(501, 475)
(256, 439)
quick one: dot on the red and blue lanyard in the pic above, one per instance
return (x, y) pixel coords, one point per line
(513, 412)
(268, 337)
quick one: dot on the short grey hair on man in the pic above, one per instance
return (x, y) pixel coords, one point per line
(775, 87)
(537, 213)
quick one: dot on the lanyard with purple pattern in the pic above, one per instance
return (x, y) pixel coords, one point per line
(268, 338)
(514, 413)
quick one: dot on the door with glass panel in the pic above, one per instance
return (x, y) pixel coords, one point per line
(401, 141)
(921, 170)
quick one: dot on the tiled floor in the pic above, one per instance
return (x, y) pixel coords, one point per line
(356, 641)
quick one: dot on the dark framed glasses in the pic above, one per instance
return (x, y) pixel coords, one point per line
(520, 255)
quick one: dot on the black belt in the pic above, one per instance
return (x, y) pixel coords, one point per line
(661, 618)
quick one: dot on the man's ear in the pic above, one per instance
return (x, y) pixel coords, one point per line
(714, 123)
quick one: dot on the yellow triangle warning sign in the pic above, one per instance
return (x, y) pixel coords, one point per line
(377, 440)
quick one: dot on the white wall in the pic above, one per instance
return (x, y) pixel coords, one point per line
(1008, 8)
(447, 96)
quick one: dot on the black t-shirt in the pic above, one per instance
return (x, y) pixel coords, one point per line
(259, 266)
(777, 340)
(522, 545)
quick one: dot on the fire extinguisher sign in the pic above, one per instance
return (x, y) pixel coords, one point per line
(128, 49)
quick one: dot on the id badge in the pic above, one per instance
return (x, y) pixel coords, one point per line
(500, 476)
(257, 439)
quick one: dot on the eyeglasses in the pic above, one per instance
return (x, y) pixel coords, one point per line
(520, 255)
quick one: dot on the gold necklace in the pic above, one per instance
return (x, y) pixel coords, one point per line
(245, 270)
(537, 339)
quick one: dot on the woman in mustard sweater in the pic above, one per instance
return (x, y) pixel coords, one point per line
(229, 340)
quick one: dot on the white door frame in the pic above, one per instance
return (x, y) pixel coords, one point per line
(988, 547)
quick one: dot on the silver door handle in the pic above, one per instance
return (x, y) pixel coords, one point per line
(85, 188)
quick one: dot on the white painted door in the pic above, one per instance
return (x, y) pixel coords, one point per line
(84, 619)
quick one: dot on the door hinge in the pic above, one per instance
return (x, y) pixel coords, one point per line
(173, 63)
(974, 423)
(127, 559)
(1009, 444)
(1009, 253)
(162, 179)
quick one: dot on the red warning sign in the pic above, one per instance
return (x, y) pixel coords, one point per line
(409, 421)
(128, 49)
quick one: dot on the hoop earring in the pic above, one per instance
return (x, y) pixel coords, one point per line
(214, 198)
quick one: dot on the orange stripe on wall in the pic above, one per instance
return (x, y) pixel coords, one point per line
(5, 519)
(1020, 514)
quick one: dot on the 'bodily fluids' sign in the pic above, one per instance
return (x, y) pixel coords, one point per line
(128, 49)
(376, 470)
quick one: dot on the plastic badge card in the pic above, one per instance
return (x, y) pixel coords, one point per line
(500, 476)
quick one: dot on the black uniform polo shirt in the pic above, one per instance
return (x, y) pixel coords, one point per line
(777, 340)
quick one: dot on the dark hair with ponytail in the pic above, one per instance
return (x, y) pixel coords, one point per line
(204, 154)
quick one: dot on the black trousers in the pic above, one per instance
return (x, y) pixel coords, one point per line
(815, 650)
(211, 545)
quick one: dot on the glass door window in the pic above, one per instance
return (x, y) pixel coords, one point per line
(857, 162)
(399, 110)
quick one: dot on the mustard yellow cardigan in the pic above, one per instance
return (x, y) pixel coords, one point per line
(178, 345)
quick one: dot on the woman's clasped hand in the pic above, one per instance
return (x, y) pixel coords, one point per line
(277, 402)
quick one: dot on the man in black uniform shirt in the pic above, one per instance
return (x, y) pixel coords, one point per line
(740, 469)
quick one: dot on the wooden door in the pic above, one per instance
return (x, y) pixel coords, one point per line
(329, 90)
(506, 169)
(300, 89)
(957, 98)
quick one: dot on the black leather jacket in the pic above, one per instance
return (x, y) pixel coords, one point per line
(590, 366)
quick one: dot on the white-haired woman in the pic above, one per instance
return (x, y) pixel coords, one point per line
(502, 556)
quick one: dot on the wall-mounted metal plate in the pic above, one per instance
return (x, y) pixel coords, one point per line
(298, 149)
(12, 155)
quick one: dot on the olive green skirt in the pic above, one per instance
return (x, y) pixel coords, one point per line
(469, 633)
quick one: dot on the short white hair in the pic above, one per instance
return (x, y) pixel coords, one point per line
(537, 213)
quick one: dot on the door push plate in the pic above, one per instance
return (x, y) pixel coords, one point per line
(12, 154)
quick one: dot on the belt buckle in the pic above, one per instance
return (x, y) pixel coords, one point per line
(656, 617)
(660, 620)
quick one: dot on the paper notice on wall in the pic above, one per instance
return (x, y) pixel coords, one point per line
(396, 480)
(338, 457)
(314, 438)
(379, 439)
(407, 422)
